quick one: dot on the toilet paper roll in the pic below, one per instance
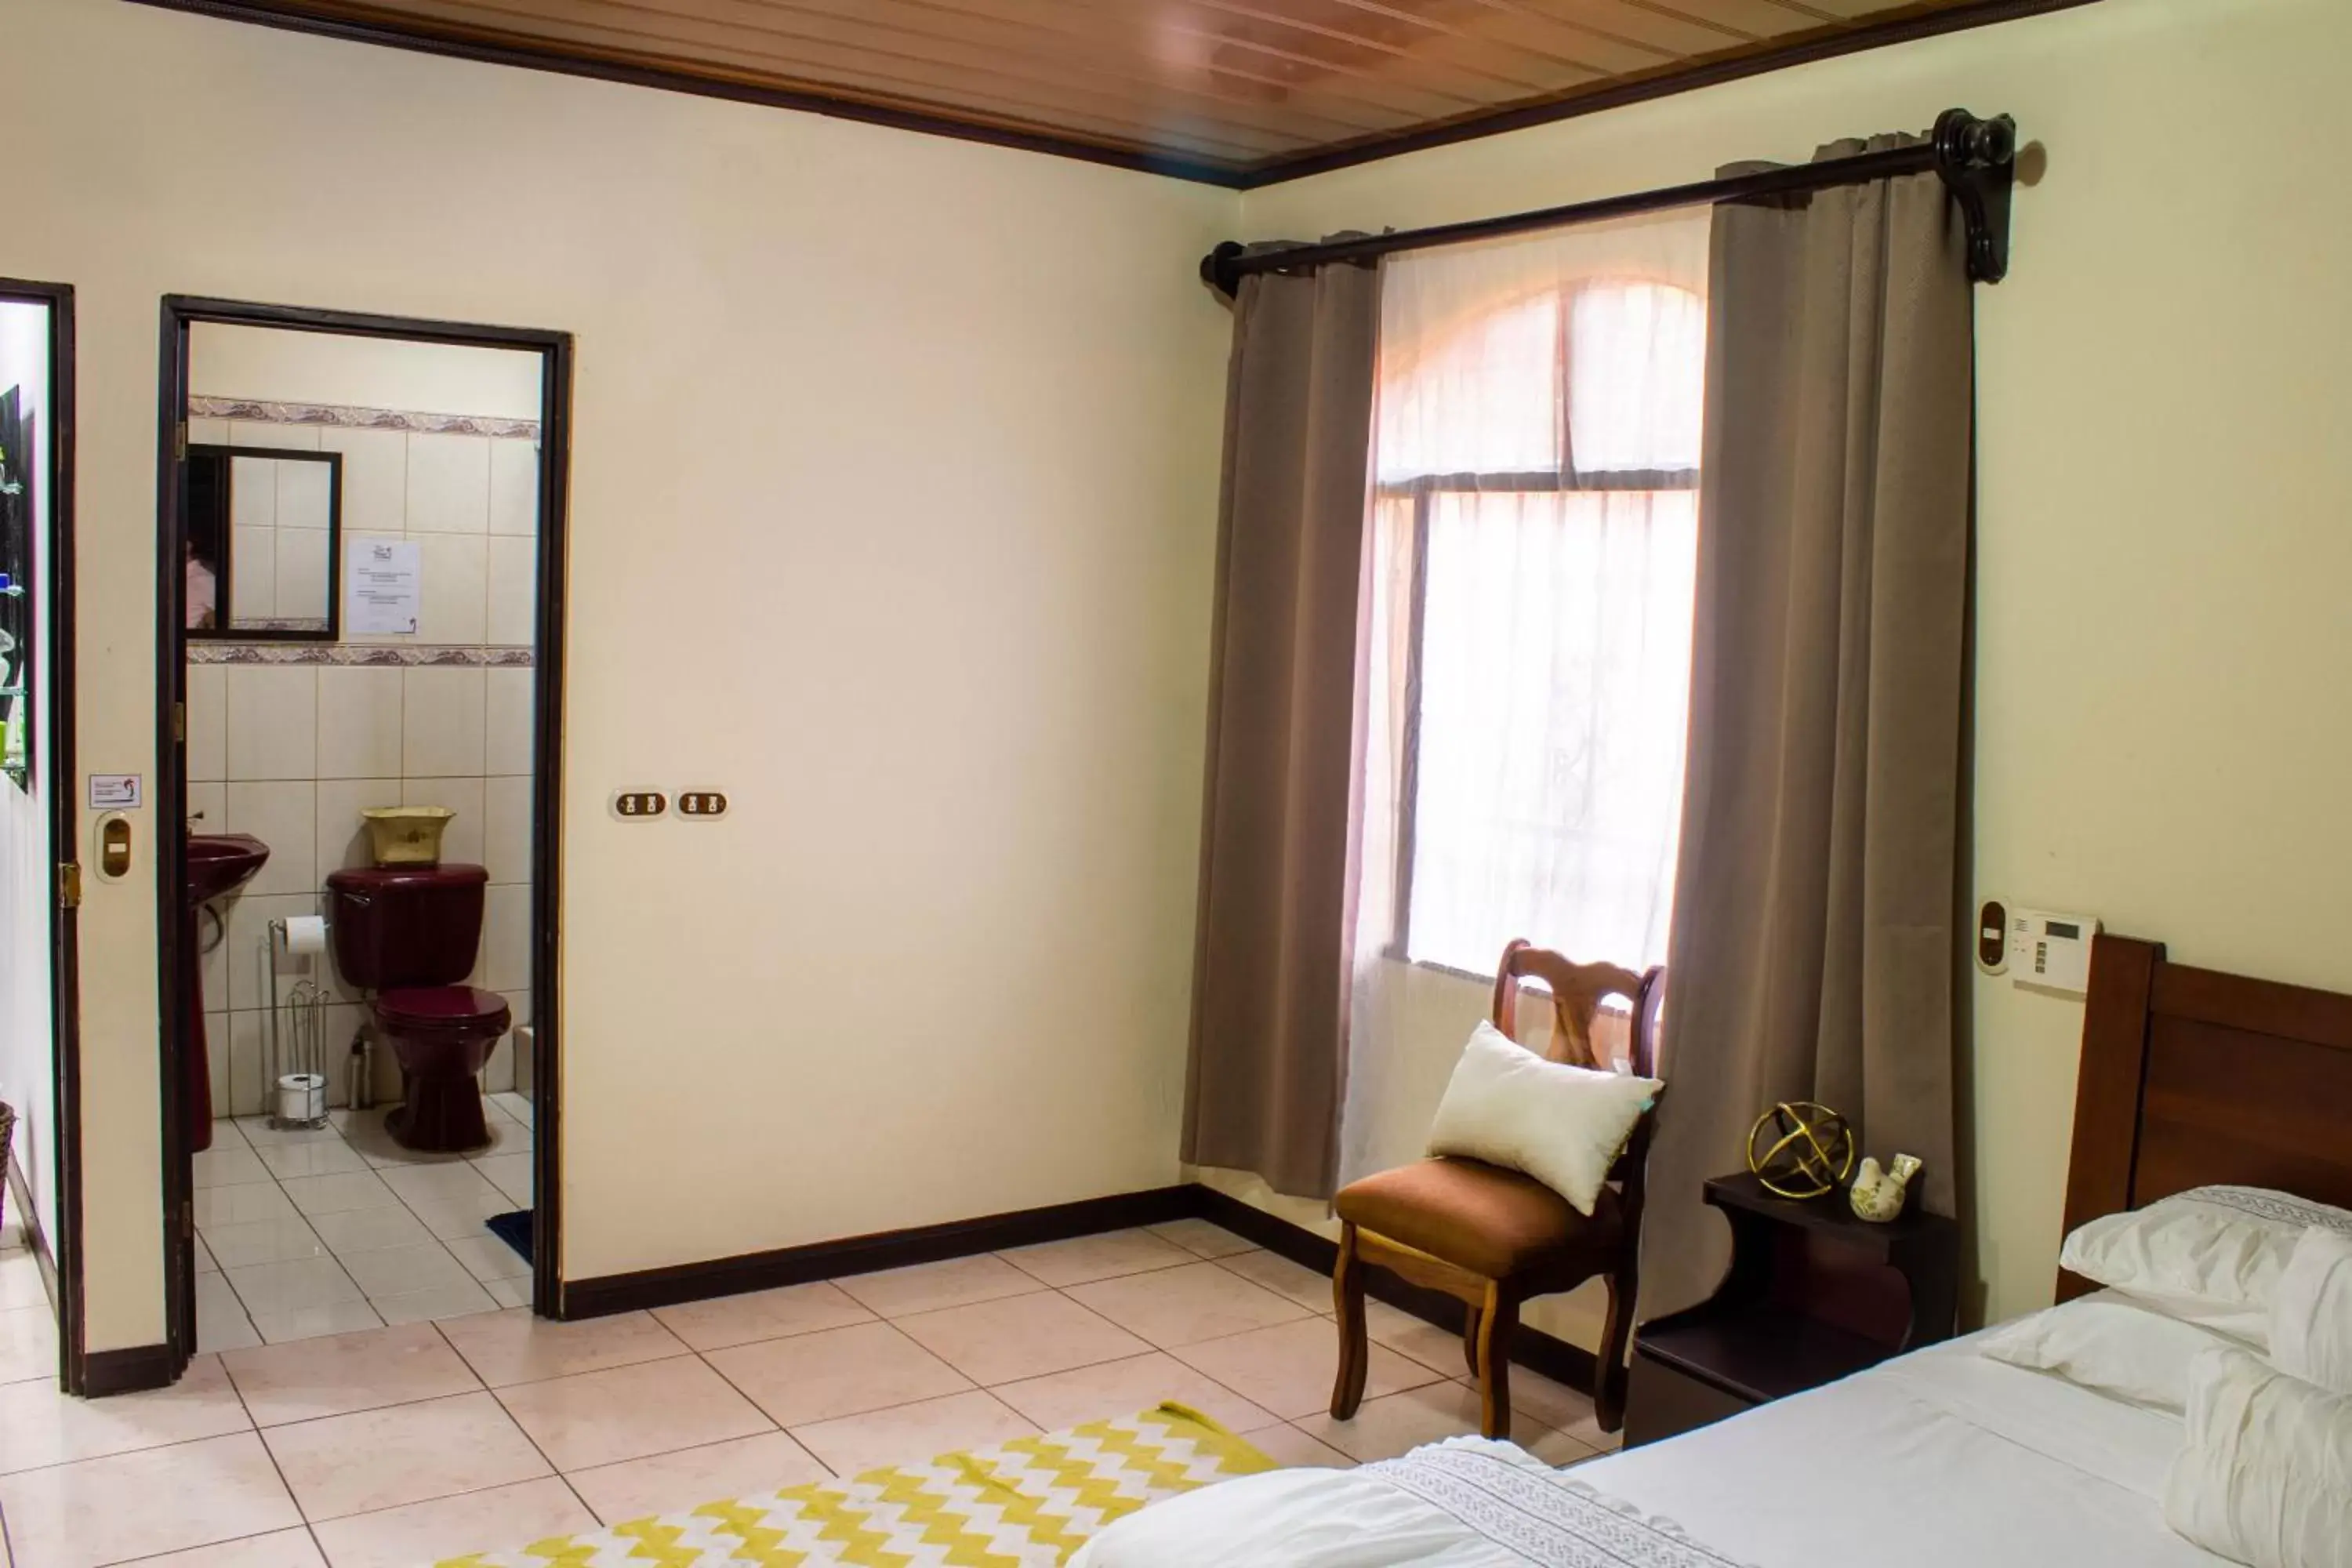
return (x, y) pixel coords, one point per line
(306, 933)
(301, 1097)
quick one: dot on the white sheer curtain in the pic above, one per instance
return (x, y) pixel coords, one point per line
(1536, 457)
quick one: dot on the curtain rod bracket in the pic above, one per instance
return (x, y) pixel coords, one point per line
(1977, 161)
(1220, 269)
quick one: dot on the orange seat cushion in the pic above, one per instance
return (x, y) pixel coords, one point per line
(1477, 1216)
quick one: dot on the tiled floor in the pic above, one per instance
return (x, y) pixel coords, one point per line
(394, 1446)
(304, 1234)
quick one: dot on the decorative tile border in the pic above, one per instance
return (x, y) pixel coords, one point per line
(214, 651)
(203, 407)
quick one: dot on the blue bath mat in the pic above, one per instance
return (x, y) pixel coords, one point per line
(514, 1229)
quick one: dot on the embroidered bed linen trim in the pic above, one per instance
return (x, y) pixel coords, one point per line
(1545, 1516)
(2280, 1208)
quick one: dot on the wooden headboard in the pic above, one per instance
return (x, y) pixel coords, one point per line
(2193, 1078)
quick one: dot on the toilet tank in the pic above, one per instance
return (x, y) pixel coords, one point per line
(398, 926)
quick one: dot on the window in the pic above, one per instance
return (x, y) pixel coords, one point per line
(1535, 546)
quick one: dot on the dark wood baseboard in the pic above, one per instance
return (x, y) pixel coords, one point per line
(863, 1254)
(128, 1371)
(1537, 1351)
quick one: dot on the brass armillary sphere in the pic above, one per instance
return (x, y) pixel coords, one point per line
(1800, 1150)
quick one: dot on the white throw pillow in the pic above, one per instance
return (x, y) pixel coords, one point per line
(2110, 1345)
(2266, 1478)
(2211, 1255)
(2311, 1319)
(1564, 1125)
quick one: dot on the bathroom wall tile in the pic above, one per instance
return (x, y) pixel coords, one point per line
(208, 726)
(498, 1073)
(216, 1060)
(442, 726)
(273, 723)
(518, 1004)
(448, 484)
(210, 799)
(461, 841)
(506, 939)
(359, 723)
(213, 945)
(452, 571)
(510, 695)
(375, 478)
(283, 815)
(205, 431)
(253, 581)
(514, 485)
(353, 544)
(252, 494)
(513, 591)
(302, 586)
(342, 1023)
(263, 433)
(248, 940)
(243, 1044)
(343, 832)
(506, 828)
(303, 491)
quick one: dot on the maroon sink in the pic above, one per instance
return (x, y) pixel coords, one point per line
(218, 864)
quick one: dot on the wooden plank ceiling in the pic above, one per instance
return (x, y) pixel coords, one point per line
(1238, 91)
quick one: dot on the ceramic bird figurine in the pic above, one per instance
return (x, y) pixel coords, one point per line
(1877, 1195)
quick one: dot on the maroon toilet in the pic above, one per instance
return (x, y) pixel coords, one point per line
(410, 935)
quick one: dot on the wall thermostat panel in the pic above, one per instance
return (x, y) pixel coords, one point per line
(2051, 950)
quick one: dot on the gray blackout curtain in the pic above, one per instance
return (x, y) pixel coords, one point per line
(1277, 883)
(1813, 953)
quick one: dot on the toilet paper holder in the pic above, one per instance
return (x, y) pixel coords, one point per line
(294, 1074)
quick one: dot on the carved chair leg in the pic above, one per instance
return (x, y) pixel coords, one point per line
(1497, 1318)
(1470, 1340)
(1608, 1370)
(1348, 1296)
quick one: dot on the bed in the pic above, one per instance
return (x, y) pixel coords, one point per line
(1943, 1458)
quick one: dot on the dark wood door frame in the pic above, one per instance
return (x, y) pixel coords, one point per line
(554, 349)
(65, 823)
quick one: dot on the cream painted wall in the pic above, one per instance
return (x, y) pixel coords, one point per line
(2162, 643)
(893, 482)
(361, 372)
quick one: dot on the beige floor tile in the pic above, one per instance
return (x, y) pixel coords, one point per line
(206, 1263)
(1294, 1450)
(222, 1323)
(279, 1288)
(603, 1418)
(311, 1322)
(20, 1277)
(1288, 1368)
(762, 1315)
(509, 1292)
(370, 1229)
(338, 1375)
(1021, 1336)
(339, 1193)
(319, 1158)
(510, 1173)
(377, 1459)
(278, 1549)
(286, 1239)
(227, 1165)
(434, 1306)
(454, 1219)
(837, 1372)
(1384, 1427)
(1184, 1306)
(256, 1131)
(1292, 1281)
(674, 1483)
(1433, 1347)
(143, 1503)
(40, 1426)
(1555, 1405)
(1121, 1388)
(217, 1207)
(498, 1519)
(910, 1434)
(514, 1347)
(927, 1287)
(1085, 1257)
(487, 1257)
(1200, 1238)
(436, 1184)
(1556, 1450)
(401, 1270)
(28, 1344)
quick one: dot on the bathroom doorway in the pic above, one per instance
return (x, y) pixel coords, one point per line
(361, 568)
(41, 1313)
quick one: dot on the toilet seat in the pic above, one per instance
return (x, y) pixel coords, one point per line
(427, 1011)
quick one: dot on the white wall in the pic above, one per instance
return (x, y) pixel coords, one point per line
(28, 893)
(2162, 642)
(894, 497)
(361, 373)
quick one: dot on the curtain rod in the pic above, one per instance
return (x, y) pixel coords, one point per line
(1976, 158)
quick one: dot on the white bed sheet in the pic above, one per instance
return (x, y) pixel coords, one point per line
(1941, 1460)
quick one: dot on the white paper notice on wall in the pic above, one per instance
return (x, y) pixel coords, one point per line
(381, 580)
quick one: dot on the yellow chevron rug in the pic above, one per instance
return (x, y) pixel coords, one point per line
(1032, 1500)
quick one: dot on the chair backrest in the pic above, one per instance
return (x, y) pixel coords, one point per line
(1577, 992)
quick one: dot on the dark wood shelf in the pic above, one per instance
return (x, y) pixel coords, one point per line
(1759, 1352)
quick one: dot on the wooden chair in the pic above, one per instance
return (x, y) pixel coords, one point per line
(1493, 1237)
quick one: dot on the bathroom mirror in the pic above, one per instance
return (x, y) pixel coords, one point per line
(265, 544)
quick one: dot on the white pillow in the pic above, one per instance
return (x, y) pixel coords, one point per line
(1564, 1125)
(2266, 1478)
(2212, 1256)
(2311, 1319)
(2109, 1345)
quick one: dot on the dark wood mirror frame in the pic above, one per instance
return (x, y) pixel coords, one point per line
(225, 567)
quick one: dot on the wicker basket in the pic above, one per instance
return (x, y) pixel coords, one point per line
(8, 1132)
